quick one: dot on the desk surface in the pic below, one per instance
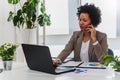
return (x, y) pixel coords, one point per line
(22, 72)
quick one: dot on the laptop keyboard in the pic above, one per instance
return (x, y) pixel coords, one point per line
(63, 69)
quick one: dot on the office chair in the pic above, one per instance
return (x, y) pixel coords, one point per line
(110, 52)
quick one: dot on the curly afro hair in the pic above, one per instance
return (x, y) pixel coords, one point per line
(93, 11)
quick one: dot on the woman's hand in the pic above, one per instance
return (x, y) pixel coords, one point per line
(56, 62)
(92, 31)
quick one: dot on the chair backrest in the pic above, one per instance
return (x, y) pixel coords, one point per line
(110, 52)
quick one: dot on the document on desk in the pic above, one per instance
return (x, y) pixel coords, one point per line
(72, 63)
(92, 65)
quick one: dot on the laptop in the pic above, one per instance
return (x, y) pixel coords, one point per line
(39, 58)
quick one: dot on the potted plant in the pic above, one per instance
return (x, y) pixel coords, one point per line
(113, 61)
(26, 16)
(7, 51)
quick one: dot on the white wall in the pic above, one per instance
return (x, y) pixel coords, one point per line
(118, 18)
(59, 17)
(108, 14)
(6, 28)
(63, 39)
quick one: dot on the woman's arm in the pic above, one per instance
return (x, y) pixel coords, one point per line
(101, 47)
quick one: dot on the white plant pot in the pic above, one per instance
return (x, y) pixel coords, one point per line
(28, 36)
(117, 75)
(7, 65)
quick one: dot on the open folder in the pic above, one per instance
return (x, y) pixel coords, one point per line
(80, 64)
(92, 65)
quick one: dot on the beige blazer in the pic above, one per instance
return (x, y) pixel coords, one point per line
(94, 52)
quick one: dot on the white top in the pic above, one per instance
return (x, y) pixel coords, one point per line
(84, 51)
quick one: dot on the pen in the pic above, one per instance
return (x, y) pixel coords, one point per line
(94, 67)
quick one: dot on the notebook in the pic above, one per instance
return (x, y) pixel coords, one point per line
(39, 58)
(72, 63)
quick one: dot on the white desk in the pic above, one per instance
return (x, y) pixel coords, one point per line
(22, 72)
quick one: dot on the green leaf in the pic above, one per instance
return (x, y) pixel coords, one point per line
(106, 59)
(26, 15)
(13, 1)
(34, 18)
(10, 16)
(10, 1)
(34, 3)
(19, 12)
(29, 24)
(7, 51)
(15, 20)
(44, 20)
(42, 9)
(115, 62)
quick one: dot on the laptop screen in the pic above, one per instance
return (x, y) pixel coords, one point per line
(39, 58)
